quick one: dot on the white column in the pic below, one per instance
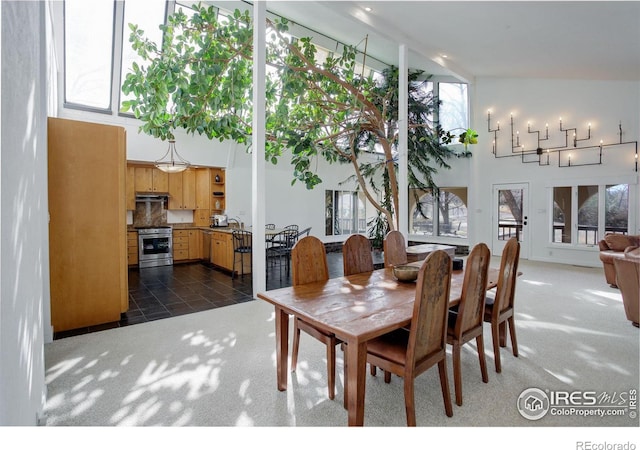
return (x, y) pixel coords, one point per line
(258, 183)
(403, 136)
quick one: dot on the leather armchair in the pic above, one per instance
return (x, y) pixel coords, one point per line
(628, 280)
(612, 247)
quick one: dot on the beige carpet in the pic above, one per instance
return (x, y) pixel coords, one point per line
(217, 368)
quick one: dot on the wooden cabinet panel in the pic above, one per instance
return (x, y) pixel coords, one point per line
(150, 179)
(195, 244)
(220, 250)
(202, 217)
(218, 191)
(144, 179)
(132, 247)
(87, 228)
(160, 181)
(189, 189)
(175, 191)
(131, 188)
(203, 186)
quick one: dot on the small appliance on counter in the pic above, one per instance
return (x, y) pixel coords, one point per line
(219, 220)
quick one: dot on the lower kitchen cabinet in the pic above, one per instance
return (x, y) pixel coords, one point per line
(132, 248)
(180, 245)
(187, 245)
(222, 253)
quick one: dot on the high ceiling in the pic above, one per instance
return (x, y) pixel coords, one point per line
(595, 40)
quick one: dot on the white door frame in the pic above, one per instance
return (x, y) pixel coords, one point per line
(497, 244)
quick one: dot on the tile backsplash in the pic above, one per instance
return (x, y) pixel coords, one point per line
(149, 214)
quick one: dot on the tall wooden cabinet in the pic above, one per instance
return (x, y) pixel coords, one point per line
(87, 228)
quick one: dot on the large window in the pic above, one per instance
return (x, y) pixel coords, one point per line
(345, 212)
(453, 112)
(444, 214)
(88, 53)
(582, 214)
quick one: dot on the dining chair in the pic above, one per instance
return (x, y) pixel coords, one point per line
(308, 265)
(499, 309)
(356, 255)
(411, 352)
(304, 232)
(242, 246)
(394, 248)
(278, 249)
(466, 321)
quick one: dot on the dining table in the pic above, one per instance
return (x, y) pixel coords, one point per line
(356, 308)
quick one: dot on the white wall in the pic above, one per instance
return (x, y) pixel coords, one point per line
(604, 104)
(25, 257)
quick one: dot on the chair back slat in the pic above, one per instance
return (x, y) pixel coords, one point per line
(395, 249)
(309, 261)
(474, 286)
(428, 333)
(356, 255)
(506, 289)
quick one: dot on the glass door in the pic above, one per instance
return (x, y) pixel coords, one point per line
(510, 217)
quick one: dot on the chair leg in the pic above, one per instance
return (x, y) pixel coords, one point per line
(483, 360)
(344, 382)
(372, 370)
(444, 385)
(495, 337)
(503, 334)
(457, 373)
(331, 368)
(512, 332)
(409, 401)
(296, 344)
(387, 376)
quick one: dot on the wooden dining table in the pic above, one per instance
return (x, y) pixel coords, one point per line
(356, 308)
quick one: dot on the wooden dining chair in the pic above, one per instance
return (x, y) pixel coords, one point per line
(410, 352)
(466, 321)
(499, 309)
(308, 265)
(356, 255)
(394, 248)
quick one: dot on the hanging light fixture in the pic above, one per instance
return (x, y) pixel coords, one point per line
(172, 162)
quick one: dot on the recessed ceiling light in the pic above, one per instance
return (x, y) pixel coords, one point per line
(444, 56)
(367, 9)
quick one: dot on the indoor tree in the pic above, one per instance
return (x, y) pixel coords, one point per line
(318, 106)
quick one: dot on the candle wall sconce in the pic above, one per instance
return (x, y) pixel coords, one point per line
(569, 154)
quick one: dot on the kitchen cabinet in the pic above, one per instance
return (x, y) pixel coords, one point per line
(202, 217)
(189, 189)
(150, 179)
(182, 190)
(195, 244)
(222, 250)
(87, 228)
(203, 189)
(187, 245)
(132, 248)
(180, 245)
(130, 188)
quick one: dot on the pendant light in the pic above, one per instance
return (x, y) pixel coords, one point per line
(172, 162)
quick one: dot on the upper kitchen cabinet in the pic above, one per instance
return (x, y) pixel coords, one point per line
(87, 226)
(203, 188)
(150, 179)
(182, 188)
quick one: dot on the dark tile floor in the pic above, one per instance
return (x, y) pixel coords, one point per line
(161, 292)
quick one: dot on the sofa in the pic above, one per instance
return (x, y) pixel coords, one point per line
(613, 246)
(628, 280)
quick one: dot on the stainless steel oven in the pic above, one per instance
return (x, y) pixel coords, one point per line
(155, 247)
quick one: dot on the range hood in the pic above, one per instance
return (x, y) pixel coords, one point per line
(152, 196)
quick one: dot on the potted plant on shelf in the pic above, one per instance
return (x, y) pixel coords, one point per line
(469, 136)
